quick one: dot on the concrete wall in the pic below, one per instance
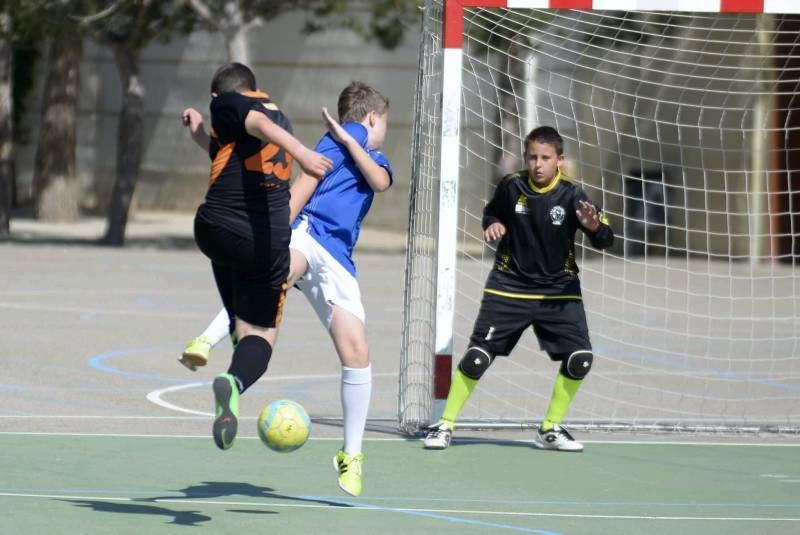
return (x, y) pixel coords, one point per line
(301, 73)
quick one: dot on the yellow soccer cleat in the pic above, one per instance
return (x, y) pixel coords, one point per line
(196, 353)
(349, 468)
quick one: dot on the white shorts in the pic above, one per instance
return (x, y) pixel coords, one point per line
(326, 282)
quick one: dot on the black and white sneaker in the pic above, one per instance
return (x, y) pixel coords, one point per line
(438, 437)
(557, 438)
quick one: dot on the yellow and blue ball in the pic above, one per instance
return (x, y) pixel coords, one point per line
(284, 425)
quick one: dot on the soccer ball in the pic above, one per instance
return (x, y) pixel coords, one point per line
(284, 425)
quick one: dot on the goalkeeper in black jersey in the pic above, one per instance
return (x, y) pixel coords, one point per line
(534, 282)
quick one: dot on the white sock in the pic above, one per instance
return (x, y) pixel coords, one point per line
(218, 328)
(356, 391)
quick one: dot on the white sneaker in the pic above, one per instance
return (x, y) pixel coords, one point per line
(557, 438)
(438, 437)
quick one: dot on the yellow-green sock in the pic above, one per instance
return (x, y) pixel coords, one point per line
(564, 390)
(461, 388)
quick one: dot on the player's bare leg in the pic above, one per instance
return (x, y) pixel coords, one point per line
(298, 265)
(350, 339)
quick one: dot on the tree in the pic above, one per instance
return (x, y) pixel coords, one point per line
(16, 23)
(6, 124)
(55, 183)
(125, 27)
(386, 22)
(56, 190)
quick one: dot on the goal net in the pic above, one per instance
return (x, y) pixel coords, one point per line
(685, 128)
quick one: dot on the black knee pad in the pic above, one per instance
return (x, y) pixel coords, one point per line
(475, 362)
(577, 364)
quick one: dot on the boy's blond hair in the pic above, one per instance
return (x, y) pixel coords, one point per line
(358, 99)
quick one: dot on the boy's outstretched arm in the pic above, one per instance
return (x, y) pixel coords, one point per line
(301, 191)
(193, 120)
(376, 176)
(259, 125)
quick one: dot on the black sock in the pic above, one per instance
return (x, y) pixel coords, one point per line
(250, 360)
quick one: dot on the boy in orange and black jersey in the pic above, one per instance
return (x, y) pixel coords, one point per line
(534, 282)
(249, 184)
(243, 225)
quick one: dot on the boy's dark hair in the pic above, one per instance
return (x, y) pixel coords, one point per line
(358, 99)
(548, 135)
(233, 77)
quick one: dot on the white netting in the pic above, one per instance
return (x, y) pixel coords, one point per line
(686, 129)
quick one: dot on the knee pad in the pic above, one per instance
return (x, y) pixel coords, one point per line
(475, 362)
(577, 364)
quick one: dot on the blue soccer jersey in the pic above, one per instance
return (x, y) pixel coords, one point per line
(342, 199)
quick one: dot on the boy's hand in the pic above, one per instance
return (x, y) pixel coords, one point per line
(192, 120)
(313, 163)
(588, 216)
(339, 134)
(495, 231)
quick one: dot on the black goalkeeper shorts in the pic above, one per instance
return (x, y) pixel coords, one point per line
(559, 324)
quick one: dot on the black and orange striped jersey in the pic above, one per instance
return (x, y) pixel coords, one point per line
(249, 182)
(536, 257)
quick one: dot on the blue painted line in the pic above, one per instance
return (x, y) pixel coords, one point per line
(97, 362)
(437, 516)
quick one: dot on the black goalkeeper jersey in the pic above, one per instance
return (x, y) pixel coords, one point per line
(536, 257)
(248, 191)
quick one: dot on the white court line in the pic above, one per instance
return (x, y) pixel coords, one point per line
(404, 509)
(99, 417)
(88, 310)
(395, 439)
(155, 397)
(104, 291)
(200, 437)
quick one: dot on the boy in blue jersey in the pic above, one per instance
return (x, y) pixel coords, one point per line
(327, 216)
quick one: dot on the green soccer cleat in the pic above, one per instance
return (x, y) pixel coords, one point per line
(349, 468)
(226, 422)
(196, 353)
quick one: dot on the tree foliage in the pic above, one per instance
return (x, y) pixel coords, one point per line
(381, 21)
(125, 27)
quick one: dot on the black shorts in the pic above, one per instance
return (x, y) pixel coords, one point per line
(250, 274)
(559, 324)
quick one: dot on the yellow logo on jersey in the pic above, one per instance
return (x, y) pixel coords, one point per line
(522, 205)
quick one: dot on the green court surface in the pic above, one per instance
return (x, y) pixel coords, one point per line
(78, 483)
(103, 432)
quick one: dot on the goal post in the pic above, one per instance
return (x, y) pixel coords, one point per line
(683, 125)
